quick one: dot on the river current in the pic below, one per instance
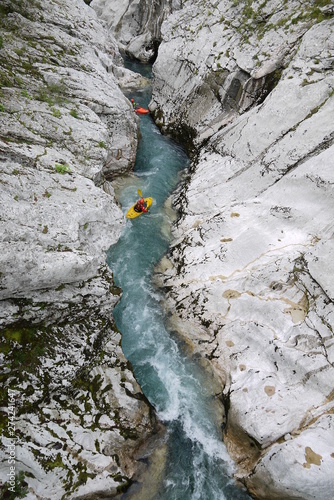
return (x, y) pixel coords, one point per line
(197, 466)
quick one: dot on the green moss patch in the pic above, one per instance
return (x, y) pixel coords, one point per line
(23, 343)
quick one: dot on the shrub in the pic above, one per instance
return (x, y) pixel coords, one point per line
(24, 93)
(74, 113)
(20, 489)
(56, 112)
(62, 169)
(20, 51)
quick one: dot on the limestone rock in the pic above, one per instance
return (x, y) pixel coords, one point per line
(66, 130)
(221, 59)
(249, 87)
(136, 24)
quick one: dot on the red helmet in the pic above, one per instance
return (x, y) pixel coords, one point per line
(132, 100)
(142, 200)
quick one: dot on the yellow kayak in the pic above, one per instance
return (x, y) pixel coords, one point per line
(131, 213)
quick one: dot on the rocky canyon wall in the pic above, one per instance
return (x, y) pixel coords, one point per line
(249, 88)
(136, 24)
(70, 406)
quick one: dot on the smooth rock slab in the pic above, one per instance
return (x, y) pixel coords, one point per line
(308, 456)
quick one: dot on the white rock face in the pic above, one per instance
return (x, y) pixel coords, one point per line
(66, 130)
(65, 126)
(250, 273)
(222, 58)
(136, 24)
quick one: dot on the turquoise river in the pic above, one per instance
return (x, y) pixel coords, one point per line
(197, 466)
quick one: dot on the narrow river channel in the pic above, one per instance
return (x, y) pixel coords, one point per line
(197, 464)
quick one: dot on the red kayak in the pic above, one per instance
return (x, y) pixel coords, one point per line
(142, 111)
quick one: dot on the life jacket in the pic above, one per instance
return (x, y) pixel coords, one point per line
(138, 206)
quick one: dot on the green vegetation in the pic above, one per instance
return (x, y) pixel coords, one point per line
(22, 344)
(54, 462)
(62, 169)
(52, 93)
(322, 3)
(306, 82)
(69, 132)
(248, 11)
(253, 20)
(44, 96)
(1, 42)
(20, 488)
(20, 51)
(74, 113)
(7, 78)
(56, 112)
(24, 93)
(2, 108)
(23, 7)
(102, 144)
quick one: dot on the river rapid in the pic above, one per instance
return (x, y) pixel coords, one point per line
(195, 464)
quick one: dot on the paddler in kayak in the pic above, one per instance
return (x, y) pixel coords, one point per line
(138, 109)
(140, 206)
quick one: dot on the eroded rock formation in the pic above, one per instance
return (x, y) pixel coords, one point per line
(66, 130)
(136, 24)
(250, 88)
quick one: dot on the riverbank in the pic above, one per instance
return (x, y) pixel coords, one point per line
(248, 270)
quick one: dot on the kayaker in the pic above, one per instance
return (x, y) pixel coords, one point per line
(141, 205)
(134, 105)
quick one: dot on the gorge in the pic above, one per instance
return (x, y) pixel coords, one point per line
(247, 281)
